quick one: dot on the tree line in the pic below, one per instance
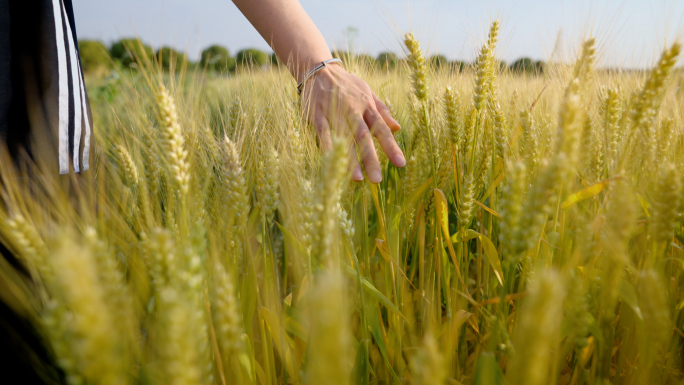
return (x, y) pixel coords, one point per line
(95, 56)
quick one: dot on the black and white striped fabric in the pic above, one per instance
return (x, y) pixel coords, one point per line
(44, 106)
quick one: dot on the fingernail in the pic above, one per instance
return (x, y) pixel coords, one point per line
(375, 176)
(399, 161)
(357, 174)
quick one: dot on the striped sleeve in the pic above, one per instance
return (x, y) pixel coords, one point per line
(74, 113)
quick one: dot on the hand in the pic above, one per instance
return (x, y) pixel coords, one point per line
(357, 108)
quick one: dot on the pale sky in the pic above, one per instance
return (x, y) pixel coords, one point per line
(629, 32)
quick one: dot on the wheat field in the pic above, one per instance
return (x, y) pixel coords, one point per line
(535, 235)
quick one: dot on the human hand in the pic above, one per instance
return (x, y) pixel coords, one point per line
(335, 98)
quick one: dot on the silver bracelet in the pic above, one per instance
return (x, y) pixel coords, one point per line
(311, 73)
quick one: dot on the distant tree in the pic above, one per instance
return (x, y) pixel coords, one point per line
(170, 58)
(459, 65)
(94, 55)
(503, 66)
(523, 65)
(273, 59)
(342, 55)
(438, 61)
(251, 58)
(387, 60)
(361, 59)
(128, 51)
(217, 58)
(527, 66)
(365, 60)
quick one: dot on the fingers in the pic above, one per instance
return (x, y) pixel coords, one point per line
(364, 141)
(385, 138)
(324, 133)
(386, 114)
(323, 130)
(354, 167)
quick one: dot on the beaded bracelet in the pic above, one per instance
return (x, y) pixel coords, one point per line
(311, 73)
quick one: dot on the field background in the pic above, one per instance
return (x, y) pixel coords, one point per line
(535, 235)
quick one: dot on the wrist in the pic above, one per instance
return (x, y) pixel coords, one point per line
(322, 67)
(305, 65)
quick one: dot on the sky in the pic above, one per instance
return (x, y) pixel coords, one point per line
(629, 33)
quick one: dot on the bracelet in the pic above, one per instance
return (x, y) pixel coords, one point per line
(311, 73)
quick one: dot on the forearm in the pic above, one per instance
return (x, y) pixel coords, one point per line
(297, 42)
(288, 29)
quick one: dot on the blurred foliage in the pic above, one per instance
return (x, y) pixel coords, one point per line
(94, 55)
(169, 59)
(438, 61)
(252, 58)
(387, 60)
(217, 58)
(129, 51)
(527, 66)
(273, 58)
